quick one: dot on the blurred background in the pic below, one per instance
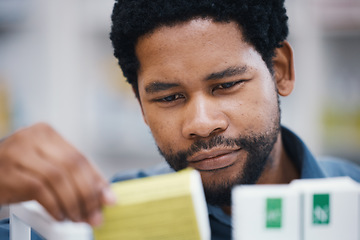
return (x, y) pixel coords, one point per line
(56, 66)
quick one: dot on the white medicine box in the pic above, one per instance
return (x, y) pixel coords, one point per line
(268, 212)
(331, 208)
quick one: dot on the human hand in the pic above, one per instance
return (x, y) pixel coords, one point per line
(36, 163)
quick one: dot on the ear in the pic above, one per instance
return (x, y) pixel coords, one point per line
(284, 69)
(139, 101)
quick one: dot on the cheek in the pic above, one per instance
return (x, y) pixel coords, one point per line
(267, 108)
(254, 110)
(164, 131)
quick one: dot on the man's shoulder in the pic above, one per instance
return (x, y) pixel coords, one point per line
(158, 169)
(337, 167)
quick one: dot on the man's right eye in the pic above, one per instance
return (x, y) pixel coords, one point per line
(170, 98)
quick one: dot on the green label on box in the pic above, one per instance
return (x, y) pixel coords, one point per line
(321, 209)
(273, 212)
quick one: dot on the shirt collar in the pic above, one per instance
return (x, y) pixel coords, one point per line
(301, 155)
(219, 214)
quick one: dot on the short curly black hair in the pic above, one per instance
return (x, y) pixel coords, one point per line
(263, 23)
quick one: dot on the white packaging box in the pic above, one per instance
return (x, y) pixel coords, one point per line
(331, 208)
(270, 212)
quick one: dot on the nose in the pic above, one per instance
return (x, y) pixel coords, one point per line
(202, 118)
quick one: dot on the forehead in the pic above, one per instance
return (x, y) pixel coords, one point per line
(191, 47)
(191, 29)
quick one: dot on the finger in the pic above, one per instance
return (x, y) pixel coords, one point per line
(85, 182)
(27, 187)
(34, 143)
(89, 185)
(74, 166)
(107, 195)
(93, 189)
(58, 181)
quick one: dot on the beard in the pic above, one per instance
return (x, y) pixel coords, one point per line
(257, 146)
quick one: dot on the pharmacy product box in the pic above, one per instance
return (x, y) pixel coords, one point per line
(330, 208)
(270, 212)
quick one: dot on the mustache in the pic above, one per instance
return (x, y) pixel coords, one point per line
(216, 141)
(253, 144)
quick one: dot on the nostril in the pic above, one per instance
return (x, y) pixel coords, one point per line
(217, 130)
(209, 133)
(193, 135)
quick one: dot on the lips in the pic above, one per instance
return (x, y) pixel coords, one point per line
(214, 159)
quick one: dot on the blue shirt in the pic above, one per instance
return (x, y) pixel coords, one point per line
(220, 223)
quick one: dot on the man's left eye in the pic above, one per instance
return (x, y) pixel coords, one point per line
(170, 98)
(227, 85)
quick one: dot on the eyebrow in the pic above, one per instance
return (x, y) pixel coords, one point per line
(229, 72)
(155, 87)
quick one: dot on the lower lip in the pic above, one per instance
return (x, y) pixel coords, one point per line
(222, 161)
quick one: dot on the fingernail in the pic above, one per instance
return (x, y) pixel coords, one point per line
(109, 196)
(96, 219)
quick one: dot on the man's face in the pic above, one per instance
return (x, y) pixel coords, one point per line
(210, 102)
